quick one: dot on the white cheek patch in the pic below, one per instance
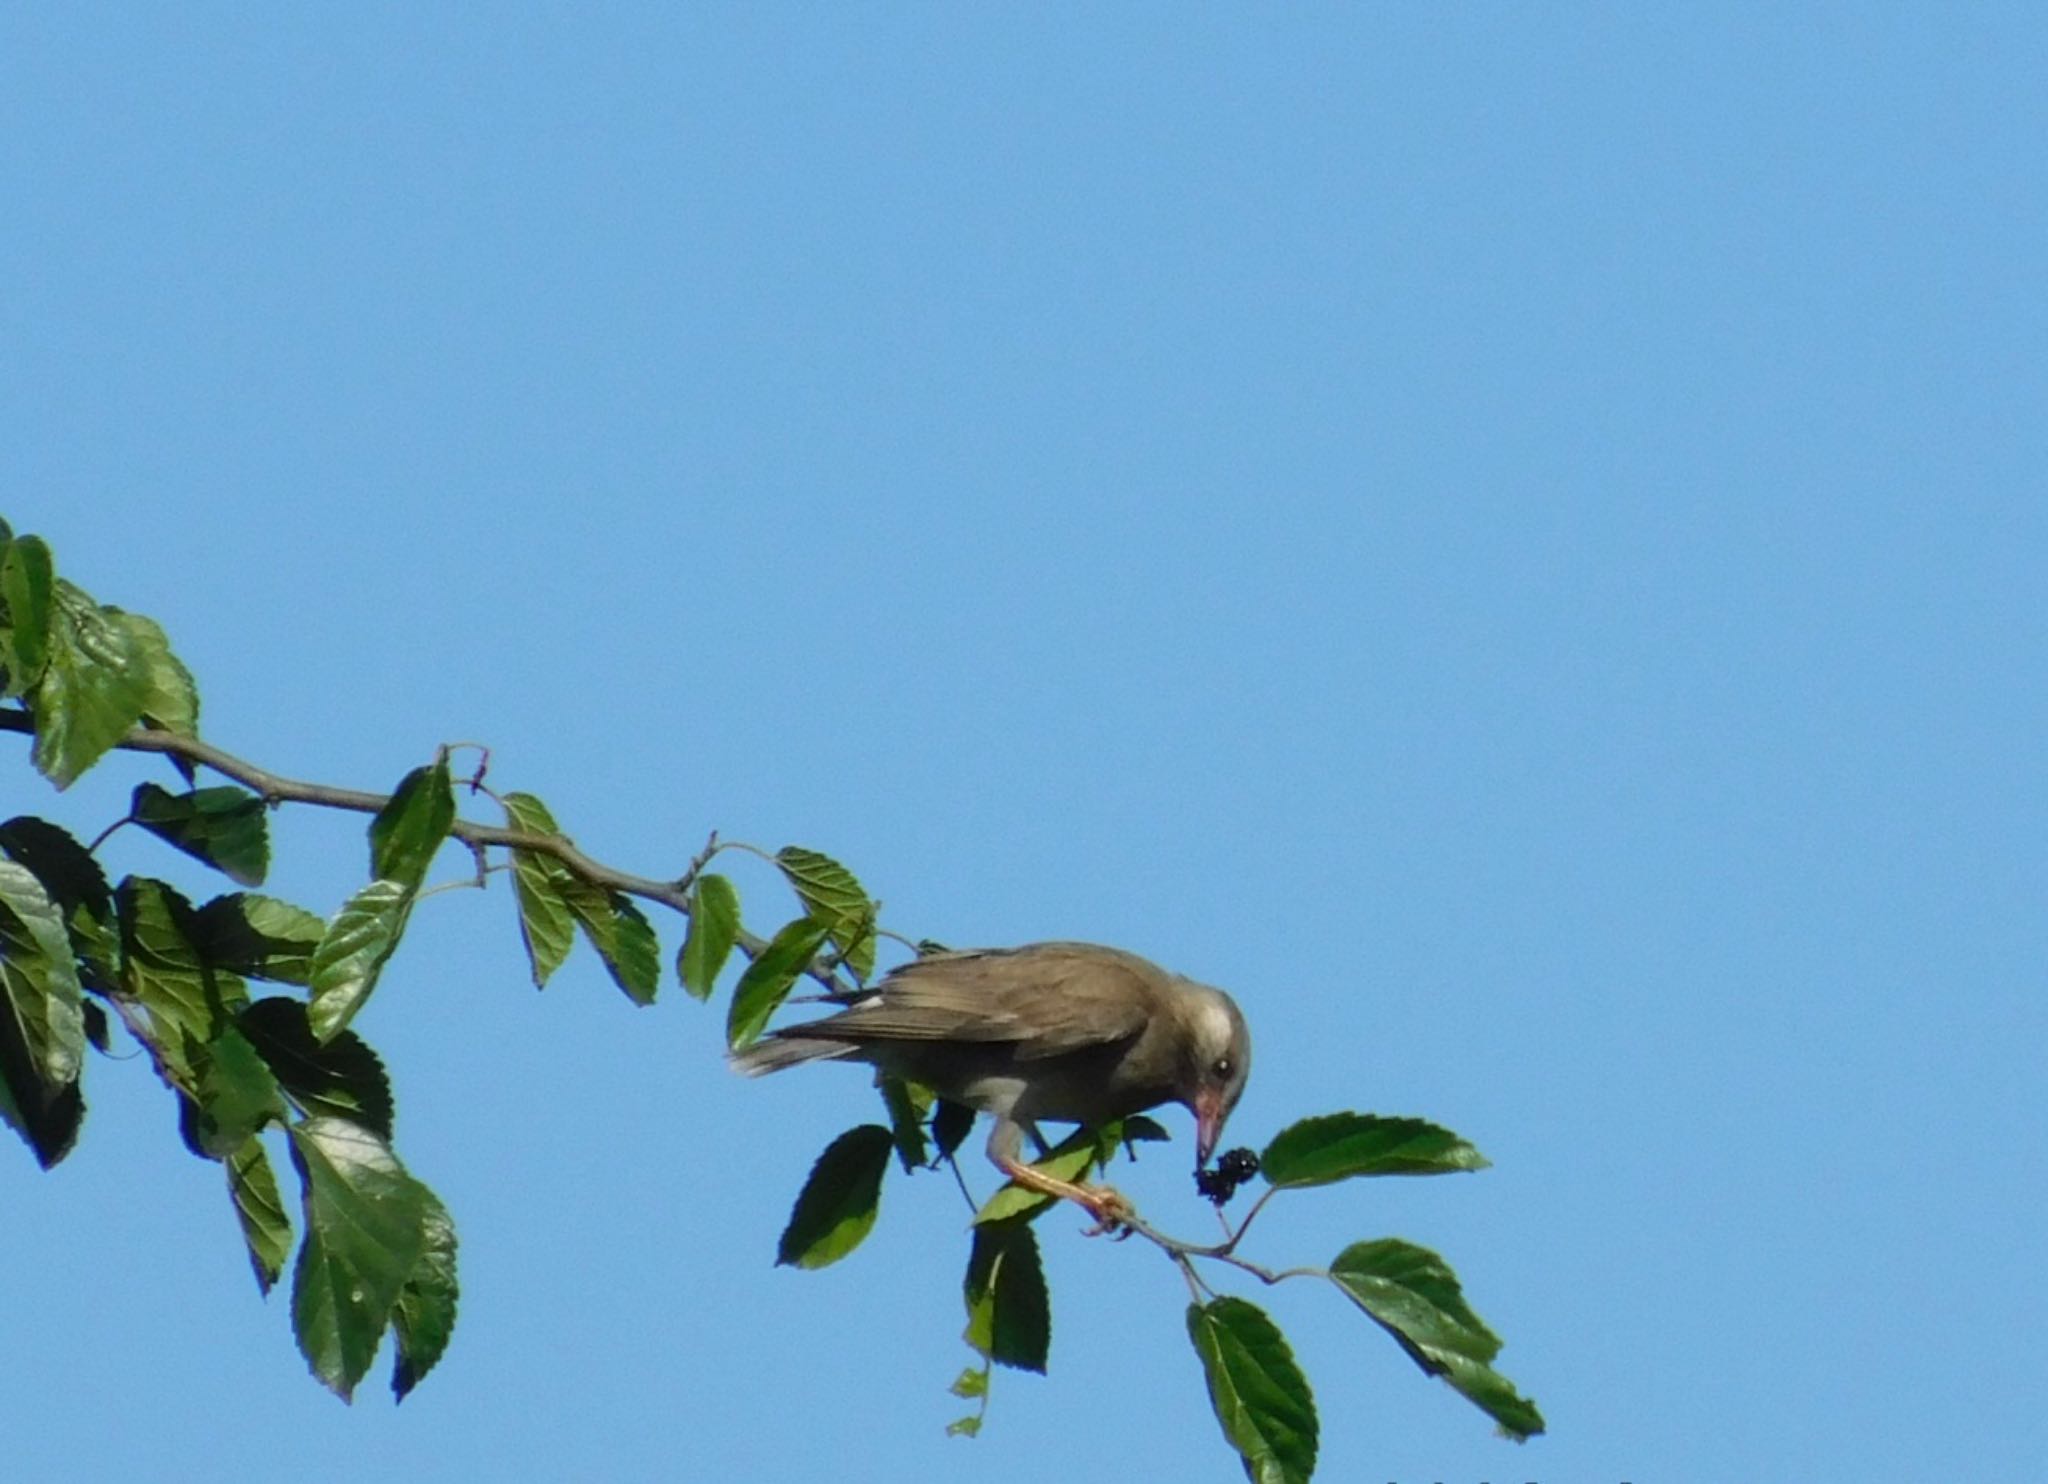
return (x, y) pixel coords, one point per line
(1217, 1027)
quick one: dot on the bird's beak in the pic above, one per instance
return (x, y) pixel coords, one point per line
(1209, 1115)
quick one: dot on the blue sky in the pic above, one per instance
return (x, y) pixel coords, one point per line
(1512, 540)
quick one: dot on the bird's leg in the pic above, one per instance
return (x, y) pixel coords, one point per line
(1109, 1208)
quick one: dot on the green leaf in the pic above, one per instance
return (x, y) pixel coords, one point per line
(970, 1385)
(353, 952)
(541, 883)
(162, 972)
(1316, 1151)
(170, 698)
(259, 1209)
(261, 937)
(43, 998)
(714, 928)
(69, 874)
(767, 981)
(951, 1123)
(42, 1019)
(624, 939)
(838, 1204)
(1261, 1397)
(1139, 1129)
(92, 689)
(1070, 1159)
(408, 831)
(234, 1093)
(365, 1221)
(226, 827)
(27, 585)
(906, 1103)
(831, 894)
(964, 1427)
(425, 1317)
(1009, 1313)
(340, 1077)
(1413, 1294)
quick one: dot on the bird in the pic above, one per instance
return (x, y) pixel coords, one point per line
(1069, 1032)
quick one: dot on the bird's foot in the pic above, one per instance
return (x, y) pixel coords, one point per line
(1112, 1212)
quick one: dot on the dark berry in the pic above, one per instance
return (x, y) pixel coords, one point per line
(1239, 1165)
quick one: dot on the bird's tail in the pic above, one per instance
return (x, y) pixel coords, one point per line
(777, 1052)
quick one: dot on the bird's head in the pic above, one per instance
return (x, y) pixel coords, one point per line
(1218, 1060)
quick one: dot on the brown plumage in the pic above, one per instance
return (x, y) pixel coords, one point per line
(1069, 1032)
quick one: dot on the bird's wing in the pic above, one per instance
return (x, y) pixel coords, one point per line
(1046, 1000)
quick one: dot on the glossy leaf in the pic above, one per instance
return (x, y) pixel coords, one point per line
(258, 936)
(425, 1318)
(340, 1077)
(714, 928)
(541, 883)
(259, 1210)
(408, 831)
(43, 998)
(225, 827)
(27, 587)
(353, 951)
(92, 688)
(1413, 1294)
(833, 895)
(1260, 1396)
(365, 1222)
(170, 698)
(1337, 1146)
(766, 983)
(837, 1207)
(1009, 1313)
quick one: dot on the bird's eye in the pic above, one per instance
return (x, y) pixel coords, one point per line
(1223, 1068)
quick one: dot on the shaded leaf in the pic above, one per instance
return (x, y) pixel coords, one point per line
(1260, 1396)
(226, 827)
(1009, 1313)
(27, 587)
(259, 1209)
(714, 928)
(906, 1103)
(623, 938)
(92, 688)
(540, 881)
(766, 983)
(837, 1207)
(951, 1122)
(1412, 1293)
(408, 831)
(1337, 1146)
(1140, 1129)
(353, 951)
(42, 995)
(425, 1318)
(262, 937)
(832, 895)
(365, 1223)
(340, 1077)
(162, 972)
(170, 699)
(70, 875)
(234, 1093)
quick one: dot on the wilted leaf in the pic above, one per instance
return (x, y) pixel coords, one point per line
(1009, 1313)
(1413, 1294)
(714, 928)
(425, 1318)
(353, 952)
(340, 1077)
(266, 1229)
(1316, 1151)
(225, 827)
(837, 1206)
(365, 1221)
(409, 829)
(766, 983)
(1261, 1397)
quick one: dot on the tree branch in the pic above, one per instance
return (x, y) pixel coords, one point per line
(277, 789)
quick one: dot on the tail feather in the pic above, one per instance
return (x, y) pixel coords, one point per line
(777, 1052)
